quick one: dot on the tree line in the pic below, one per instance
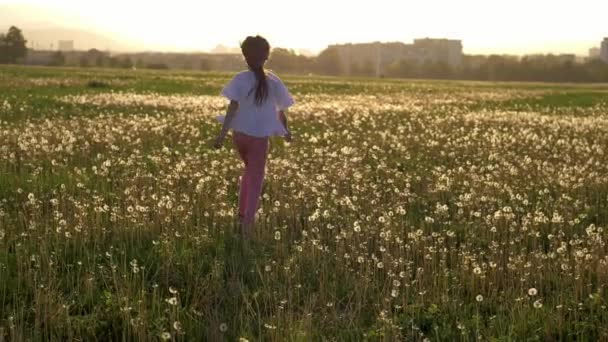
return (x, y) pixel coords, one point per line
(13, 46)
(542, 68)
(545, 68)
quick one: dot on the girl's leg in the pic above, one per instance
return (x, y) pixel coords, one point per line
(241, 144)
(256, 165)
(243, 190)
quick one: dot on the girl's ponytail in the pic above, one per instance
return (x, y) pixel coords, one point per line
(256, 50)
(261, 89)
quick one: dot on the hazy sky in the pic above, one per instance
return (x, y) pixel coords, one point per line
(485, 26)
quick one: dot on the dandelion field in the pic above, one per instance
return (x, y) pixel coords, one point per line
(402, 211)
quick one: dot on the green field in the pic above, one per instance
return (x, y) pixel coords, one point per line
(402, 211)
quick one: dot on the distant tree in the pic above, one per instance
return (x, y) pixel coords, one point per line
(596, 71)
(368, 68)
(287, 60)
(99, 61)
(83, 62)
(282, 60)
(436, 69)
(139, 64)
(113, 62)
(401, 68)
(355, 68)
(365, 68)
(126, 63)
(58, 59)
(12, 46)
(495, 67)
(329, 62)
(547, 68)
(205, 64)
(100, 58)
(3, 49)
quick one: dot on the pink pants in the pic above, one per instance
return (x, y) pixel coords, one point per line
(253, 151)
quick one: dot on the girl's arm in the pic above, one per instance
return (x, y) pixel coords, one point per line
(283, 119)
(232, 108)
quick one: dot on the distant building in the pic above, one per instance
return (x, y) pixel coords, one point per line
(594, 53)
(369, 58)
(604, 50)
(375, 57)
(65, 45)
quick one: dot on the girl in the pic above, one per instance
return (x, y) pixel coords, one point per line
(258, 101)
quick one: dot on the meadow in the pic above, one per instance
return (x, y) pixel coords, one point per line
(402, 211)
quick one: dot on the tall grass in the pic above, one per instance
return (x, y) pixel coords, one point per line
(402, 211)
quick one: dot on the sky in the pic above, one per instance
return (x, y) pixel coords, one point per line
(484, 26)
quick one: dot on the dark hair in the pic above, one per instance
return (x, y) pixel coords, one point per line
(256, 50)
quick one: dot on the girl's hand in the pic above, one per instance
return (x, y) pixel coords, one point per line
(288, 136)
(218, 142)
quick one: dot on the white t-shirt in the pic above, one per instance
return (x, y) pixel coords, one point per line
(251, 119)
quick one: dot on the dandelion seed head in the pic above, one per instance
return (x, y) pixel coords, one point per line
(172, 301)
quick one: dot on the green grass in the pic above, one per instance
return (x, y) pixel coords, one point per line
(397, 205)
